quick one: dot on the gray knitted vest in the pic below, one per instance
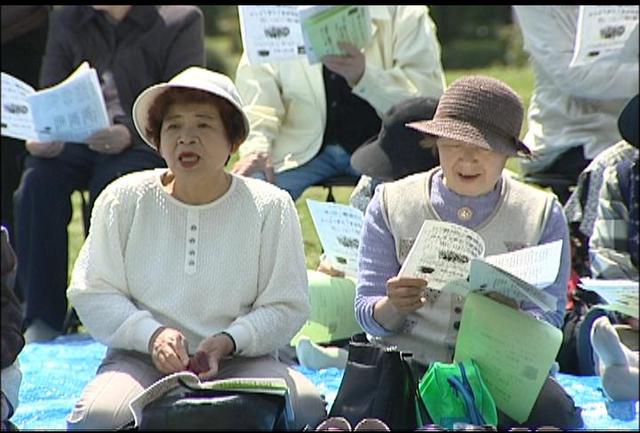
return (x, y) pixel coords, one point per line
(517, 222)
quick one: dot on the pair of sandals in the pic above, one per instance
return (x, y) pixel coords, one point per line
(339, 423)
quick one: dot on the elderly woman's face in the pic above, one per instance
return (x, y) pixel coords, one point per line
(467, 169)
(193, 139)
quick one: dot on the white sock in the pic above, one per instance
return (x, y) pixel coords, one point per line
(606, 343)
(619, 378)
(316, 357)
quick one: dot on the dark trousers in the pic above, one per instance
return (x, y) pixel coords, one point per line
(21, 57)
(567, 166)
(43, 212)
(554, 407)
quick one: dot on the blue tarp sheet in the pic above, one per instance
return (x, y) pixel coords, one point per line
(55, 373)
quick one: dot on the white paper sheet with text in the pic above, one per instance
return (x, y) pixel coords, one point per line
(338, 226)
(442, 252)
(16, 113)
(271, 33)
(603, 31)
(484, 277)
(537, 265)
(620, 295)
(71, 110)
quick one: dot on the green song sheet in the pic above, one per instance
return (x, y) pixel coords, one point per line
(513, 350)
(325, 29)
(332, 314)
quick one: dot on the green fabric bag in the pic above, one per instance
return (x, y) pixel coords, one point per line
(456, 393)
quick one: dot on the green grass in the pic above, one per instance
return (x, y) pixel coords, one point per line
(520, 79)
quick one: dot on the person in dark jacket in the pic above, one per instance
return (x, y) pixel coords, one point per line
(24, 35)
(12, 339)
(131, 48)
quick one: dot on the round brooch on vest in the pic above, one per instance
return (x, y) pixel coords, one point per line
(465, 213)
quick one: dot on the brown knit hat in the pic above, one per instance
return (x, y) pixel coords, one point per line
(479, 110)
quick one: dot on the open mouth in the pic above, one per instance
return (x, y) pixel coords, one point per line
(468, 177)
(188, 159)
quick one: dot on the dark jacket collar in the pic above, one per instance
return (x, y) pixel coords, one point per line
(144, 15)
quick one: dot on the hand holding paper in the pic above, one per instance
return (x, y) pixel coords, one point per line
(111, 140)
(69, 111)
(44, 149)
(406, 294)
(351, 65)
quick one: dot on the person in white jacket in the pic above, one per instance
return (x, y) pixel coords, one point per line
(573, 112)
(307, 120)
(190, 267)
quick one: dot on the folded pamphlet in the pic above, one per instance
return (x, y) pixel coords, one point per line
(280, 33)
(620, 295)
(451, 258)
(70, 111)
(274, 386)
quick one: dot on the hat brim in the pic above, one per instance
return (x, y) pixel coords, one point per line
(628, 122)
(145, 100)
(371, 160)
(468, 133)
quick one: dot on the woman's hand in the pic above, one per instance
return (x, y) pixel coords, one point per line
(44, 149)
(253, 162)
(216, 347)
(168, 349)
(406, 294)
(112, 140)
(325, 267)
(350, 65)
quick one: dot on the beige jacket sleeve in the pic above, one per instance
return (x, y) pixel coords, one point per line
(285, 101)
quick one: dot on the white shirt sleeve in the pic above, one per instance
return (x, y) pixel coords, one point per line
(282, 304)
(99, 280)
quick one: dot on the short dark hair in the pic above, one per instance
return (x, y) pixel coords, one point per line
(232, 118)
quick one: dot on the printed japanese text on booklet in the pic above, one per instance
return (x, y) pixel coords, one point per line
(70, 111)
(279, 33)
(451, 258)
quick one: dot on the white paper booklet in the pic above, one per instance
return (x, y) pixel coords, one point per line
(451, 258)
(620, 295)
(69, 111)
(605, 31)
(338, 226)
(276, 386)
(278, 33)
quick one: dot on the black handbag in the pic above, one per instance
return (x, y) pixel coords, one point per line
(201, 409)
(380, 383)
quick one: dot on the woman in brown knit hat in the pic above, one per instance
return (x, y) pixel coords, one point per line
(475, 129)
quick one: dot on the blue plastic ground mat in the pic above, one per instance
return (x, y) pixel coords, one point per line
(55, 373)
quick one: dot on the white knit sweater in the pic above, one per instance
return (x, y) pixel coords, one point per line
(235, 265)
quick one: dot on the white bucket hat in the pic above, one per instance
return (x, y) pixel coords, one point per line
(193, 77)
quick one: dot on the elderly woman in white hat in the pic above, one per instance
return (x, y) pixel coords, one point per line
(475, 129)
(190, 258)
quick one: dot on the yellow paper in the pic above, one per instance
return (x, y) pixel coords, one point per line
(332, 313)
(514, 352)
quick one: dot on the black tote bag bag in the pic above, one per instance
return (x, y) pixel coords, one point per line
(380, 383)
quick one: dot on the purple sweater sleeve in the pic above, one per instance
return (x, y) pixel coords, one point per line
(555, 229)
(377, 263)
